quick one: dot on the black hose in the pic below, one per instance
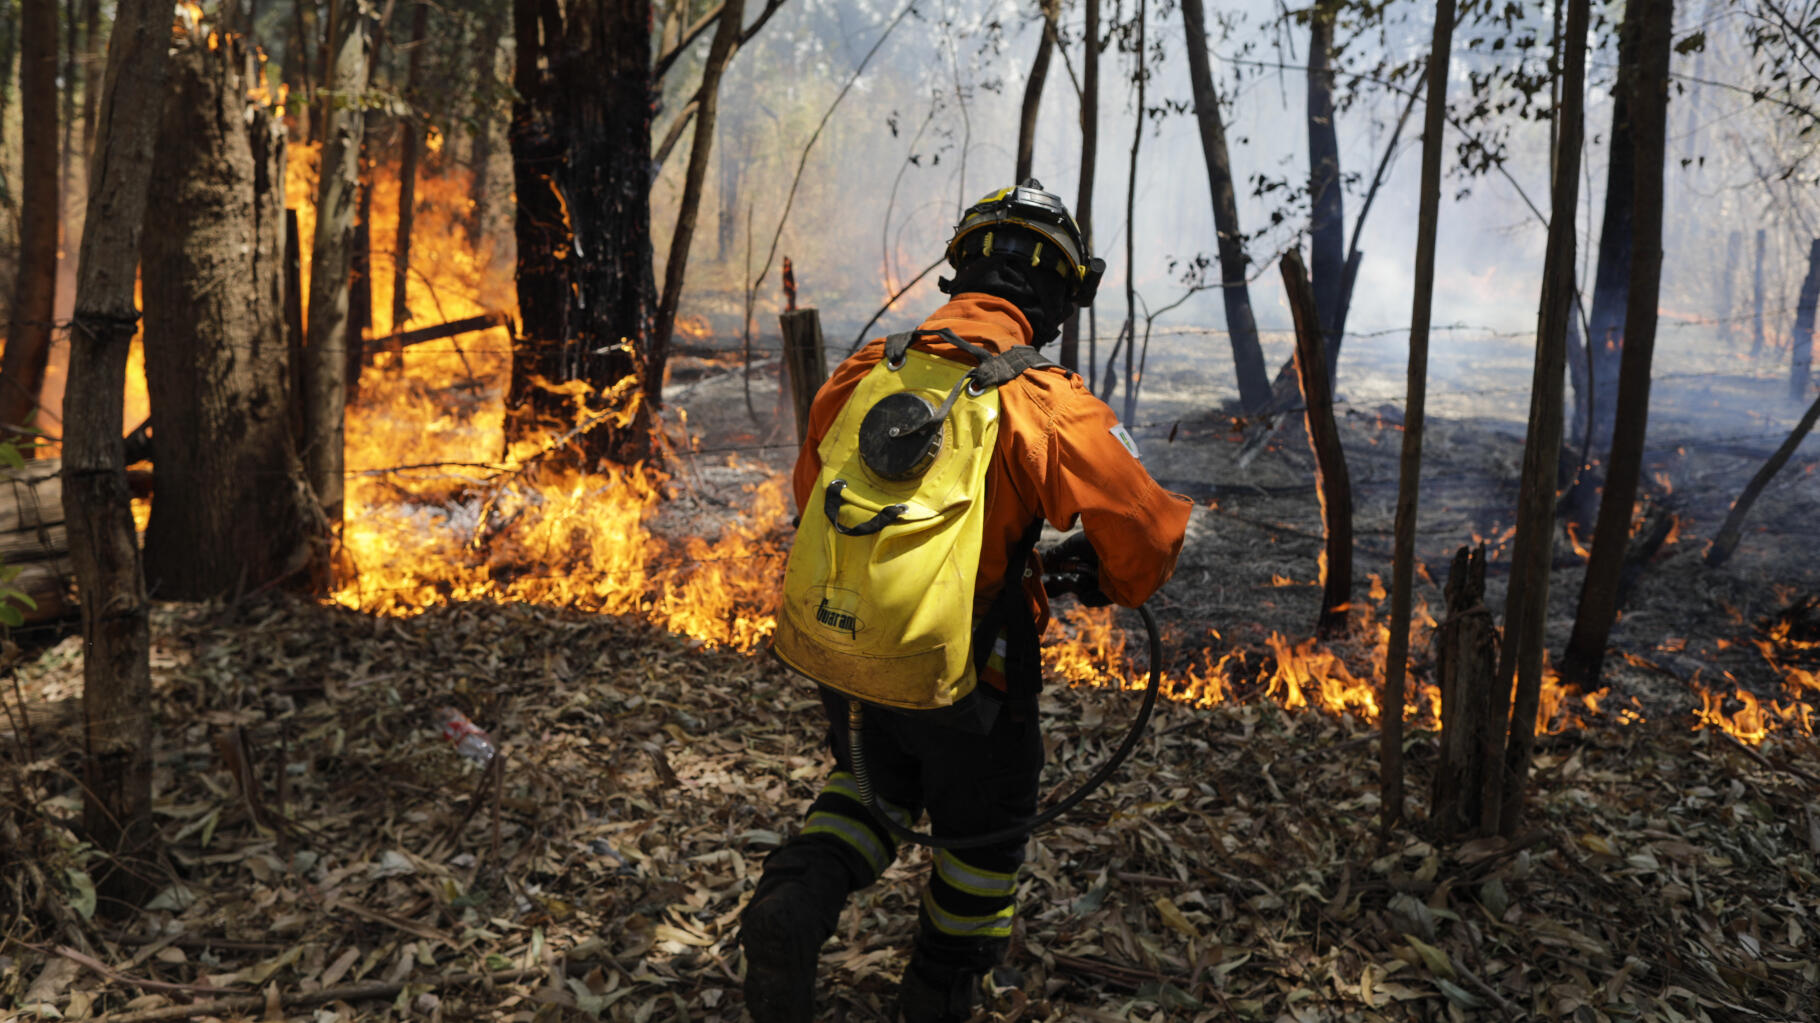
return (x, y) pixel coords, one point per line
(856, 755)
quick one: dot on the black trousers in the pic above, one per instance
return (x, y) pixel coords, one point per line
(968, 783)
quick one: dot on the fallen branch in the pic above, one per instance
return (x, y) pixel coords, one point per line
(490, 318)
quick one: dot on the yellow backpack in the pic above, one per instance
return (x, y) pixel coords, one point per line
(878, 590)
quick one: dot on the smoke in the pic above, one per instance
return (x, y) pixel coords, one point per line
(932, 124)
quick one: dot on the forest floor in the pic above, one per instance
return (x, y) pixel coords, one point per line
(328, 857)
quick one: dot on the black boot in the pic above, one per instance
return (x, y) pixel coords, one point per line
(794, 910)
(931, 993)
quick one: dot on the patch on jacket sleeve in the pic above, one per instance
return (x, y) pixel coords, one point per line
(1123, 436)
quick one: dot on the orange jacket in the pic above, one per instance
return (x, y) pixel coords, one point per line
(1056, 457)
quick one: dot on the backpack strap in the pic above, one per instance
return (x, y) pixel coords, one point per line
(998, 370)
(897, 344)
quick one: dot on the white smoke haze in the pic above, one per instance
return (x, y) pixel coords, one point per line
(950, 80)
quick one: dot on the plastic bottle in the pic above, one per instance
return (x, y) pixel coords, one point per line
(469, 739)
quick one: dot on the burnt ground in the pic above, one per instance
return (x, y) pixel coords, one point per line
(329, 858)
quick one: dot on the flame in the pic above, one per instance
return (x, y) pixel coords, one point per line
(502, 526)
(1573, 537)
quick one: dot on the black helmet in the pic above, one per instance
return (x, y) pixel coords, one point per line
(1026, 221)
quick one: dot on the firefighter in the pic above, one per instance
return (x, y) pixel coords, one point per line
(1061, 456)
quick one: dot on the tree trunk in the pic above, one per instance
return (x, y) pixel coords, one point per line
(297, 65)
(486, 109)
(93, 54)
(1241, 326)
(407, 172)
(117, 793)
(9, 48)
(1033, 93)
(1610, 279)
(230, 510)
(360, 271)
(1801, 340)
(28, 346)
(1141, 73)
(1326, 198)
(1409, 476)
(1333, 484)
(732, 167)
(581, 136)
(720, 52)
(1585, 656)
(325, 366)
(1466, 666)
(1728, 330)
(1090, 144)
(71, 86)
(1526, 605)
(1726, 541)
(1756, 331)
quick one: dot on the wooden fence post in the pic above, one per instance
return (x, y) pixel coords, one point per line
(1466, 660)
(803, 362)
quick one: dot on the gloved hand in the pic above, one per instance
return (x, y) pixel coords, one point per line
(1073, 566)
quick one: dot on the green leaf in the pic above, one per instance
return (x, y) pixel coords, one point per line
(82, 891)
(9, 453)
(10, 616)
(1436, 960)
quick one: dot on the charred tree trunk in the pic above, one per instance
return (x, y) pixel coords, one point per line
(325, 366)
(1466, 662)
(1326, 198)
(360, 273)
(117, 689)
(28, 346)
(1241, 325)
(407, 172)
(1033, 93)
(1585, 655)
(581, 136)
(1526, 605)
(1801, 341)
(1090, 145)
(1409, 474)
(230, 509)
(1333, 485)
(1611, 277)
(720, 52)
